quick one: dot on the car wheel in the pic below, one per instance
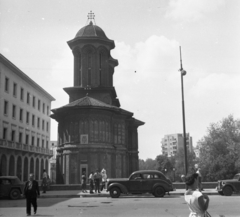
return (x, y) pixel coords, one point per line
(159, 192)
(115, 192)
(220, 192)
(14, 194)
(227, 191)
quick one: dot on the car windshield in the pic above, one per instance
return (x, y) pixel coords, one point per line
(237, 176)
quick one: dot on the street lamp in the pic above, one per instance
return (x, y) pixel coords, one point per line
(183, 72)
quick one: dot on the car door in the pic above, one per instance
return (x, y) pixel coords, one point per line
(135, 184)
(147, 182)
(5, 187)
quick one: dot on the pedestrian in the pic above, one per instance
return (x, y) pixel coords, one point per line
(31, 191)
(97, 179)
(196, 200)
(200, 188)
(44, 181)
(84, 181)
(104, 178)
(91, 180)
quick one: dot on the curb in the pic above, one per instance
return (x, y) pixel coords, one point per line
(107, 195)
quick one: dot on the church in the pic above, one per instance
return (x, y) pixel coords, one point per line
(94, 132)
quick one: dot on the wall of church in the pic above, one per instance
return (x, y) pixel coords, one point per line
(91, 67)
(100, 128)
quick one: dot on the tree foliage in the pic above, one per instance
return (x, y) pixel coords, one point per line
(149, 164)
(220, 150)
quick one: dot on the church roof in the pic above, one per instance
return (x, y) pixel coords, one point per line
(91, 31)
(87, 101)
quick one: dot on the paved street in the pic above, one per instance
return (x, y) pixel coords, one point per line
(149, 206)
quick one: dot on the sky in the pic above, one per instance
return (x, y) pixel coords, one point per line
(147, 35)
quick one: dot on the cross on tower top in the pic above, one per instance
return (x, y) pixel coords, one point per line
(90, 16)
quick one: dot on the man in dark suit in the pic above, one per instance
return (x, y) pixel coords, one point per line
(31, 191)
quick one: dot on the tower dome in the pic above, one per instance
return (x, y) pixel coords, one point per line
(91, 31)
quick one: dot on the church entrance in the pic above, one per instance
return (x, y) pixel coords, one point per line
(83, 168)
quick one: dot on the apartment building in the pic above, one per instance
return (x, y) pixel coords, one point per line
(172, 142)
(24, 123)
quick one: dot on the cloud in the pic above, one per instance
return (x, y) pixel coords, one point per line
(192, 10)
(149, 59)
(216, 83)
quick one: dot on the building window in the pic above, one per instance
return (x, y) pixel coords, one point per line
(47, 126)
(38, 122)
(89, 70)
(39, 104)
(43, 143)
(43, 123)
(21, 114)
(27, 117)
(33, 120)
(5, 108)
(13, 136)
(32, 140)
(5, 133)
(47, 110)
(33, 102)
(38, 140)
(13, 111)
(22, 94)
(26, 139)
(47, 145)
(43, 108)
(20, 138)
(28, 98)
(6, 84)
(14, 89)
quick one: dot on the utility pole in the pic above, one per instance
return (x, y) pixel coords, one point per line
(183, 72)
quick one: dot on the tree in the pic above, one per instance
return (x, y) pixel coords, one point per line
(149, 164)
(220, 150)
(180, 162)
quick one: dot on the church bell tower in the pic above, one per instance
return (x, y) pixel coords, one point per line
(93, 65)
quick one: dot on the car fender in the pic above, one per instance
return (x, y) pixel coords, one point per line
(122, 187)
(163, 185)
(230, 185)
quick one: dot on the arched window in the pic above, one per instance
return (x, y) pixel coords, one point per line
(96, 130)
(32, 166)
(19, 167)
(100, 69)
(25, 166)
(91, 130)
(103, 131)
(107, 132)
(80, 70)
(89, 69)
(115, 133)
(37, 169)
(85, 127)
(119, 134)
(11, 166)
(123, 133)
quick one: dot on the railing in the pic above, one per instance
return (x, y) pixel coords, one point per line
(24, 147)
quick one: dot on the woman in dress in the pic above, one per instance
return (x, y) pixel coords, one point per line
(197, 201)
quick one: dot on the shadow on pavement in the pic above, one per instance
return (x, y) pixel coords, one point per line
(41, 202)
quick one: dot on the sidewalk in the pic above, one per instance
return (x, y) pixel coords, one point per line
(77, 193)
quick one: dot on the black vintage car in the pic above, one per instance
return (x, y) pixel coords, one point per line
(139, 182)
(227, 187)
(11, 186)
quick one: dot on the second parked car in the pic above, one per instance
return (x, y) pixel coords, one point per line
(139, 182)
(11, 186)
(230, 186)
